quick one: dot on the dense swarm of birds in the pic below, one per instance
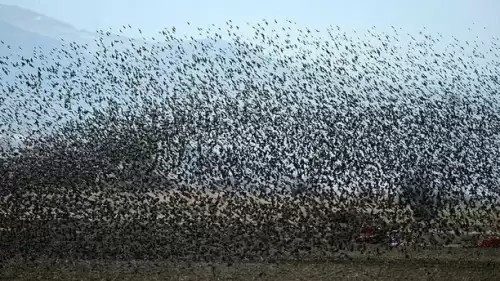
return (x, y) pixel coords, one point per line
(275, 146)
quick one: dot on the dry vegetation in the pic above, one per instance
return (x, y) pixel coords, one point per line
(430, 265)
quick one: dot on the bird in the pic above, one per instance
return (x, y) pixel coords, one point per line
(282, 145)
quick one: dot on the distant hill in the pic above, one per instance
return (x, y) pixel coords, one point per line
(26, 28)
(16, 37)
(23, 26)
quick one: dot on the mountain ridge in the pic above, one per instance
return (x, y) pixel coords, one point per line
(31, 21)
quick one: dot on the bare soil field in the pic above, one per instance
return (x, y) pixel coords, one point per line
(454, 264)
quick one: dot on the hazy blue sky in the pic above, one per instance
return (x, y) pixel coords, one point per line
(452, 17)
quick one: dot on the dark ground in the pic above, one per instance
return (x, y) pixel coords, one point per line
(453, 264)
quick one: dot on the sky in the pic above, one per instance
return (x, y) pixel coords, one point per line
(461, 18)
(449, 17)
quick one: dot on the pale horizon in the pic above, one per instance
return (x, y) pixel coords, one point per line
(464, 19)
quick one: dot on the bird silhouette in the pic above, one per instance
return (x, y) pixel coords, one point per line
(285, 143)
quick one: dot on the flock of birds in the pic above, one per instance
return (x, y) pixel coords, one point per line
(279, 145)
